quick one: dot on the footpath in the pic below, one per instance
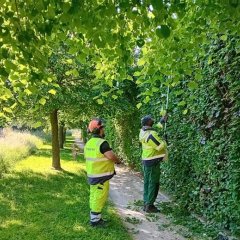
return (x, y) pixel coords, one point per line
(126, 191)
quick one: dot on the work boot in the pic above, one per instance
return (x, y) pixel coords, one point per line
(151, 209)
(100, 223)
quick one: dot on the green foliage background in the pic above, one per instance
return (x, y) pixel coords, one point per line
(203, 133)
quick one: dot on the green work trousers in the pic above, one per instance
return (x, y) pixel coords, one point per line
(151, 183)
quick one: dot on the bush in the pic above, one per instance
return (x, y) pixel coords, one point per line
(15, 146)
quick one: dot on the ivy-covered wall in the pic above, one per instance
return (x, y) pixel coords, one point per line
(122, 134)
(203, 173)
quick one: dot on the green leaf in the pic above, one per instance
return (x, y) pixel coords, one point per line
(136, 74)
(114, 97)
(182, 103)
(9, 65)
(147, 99)
(192, 85)
(52, 91)
(139, 105)
(42, 101)
(224, 37)
(8, 110)
(155, 89)
(27, 91)
(163, 112)
(100, 101)
(198, 76)
(185, 111)
(21, 102)
(13, 106)
(69, 61)
(163, 31)
(140, 42)
(75, 73)
(37, 124)
(141, 62)
(157, 4)
(7, 93)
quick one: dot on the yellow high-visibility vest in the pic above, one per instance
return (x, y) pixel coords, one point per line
(149, 149)
(97, 165)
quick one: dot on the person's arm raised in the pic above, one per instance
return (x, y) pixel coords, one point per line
(112, 156)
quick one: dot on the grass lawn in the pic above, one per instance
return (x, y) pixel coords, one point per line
(39, 203)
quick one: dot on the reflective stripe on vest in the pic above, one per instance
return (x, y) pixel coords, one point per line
(97, 159)
(97, 165)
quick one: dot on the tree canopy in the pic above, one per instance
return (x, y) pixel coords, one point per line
(162, 38)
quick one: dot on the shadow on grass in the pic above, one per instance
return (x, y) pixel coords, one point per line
(50, 206)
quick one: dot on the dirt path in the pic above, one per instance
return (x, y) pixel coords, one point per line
(126, 190)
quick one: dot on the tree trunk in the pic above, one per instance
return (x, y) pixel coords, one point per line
(61, 136)
(55, 143)
(64, 134)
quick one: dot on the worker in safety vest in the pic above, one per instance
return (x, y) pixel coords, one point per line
(154, 150)
(100, 161)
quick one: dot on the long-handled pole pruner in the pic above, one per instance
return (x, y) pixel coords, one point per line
(165, 123)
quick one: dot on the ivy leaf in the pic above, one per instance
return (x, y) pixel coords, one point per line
(192, 85)
(42, 101)
(140, 42)
(198, 76)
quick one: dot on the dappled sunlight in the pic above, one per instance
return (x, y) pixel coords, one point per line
(13, 222)
(79, 228)
(38, 201)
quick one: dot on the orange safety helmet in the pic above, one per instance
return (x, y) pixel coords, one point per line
(95, 125)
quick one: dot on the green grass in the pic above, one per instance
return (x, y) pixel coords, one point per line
(15, 146)
(39, 203)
